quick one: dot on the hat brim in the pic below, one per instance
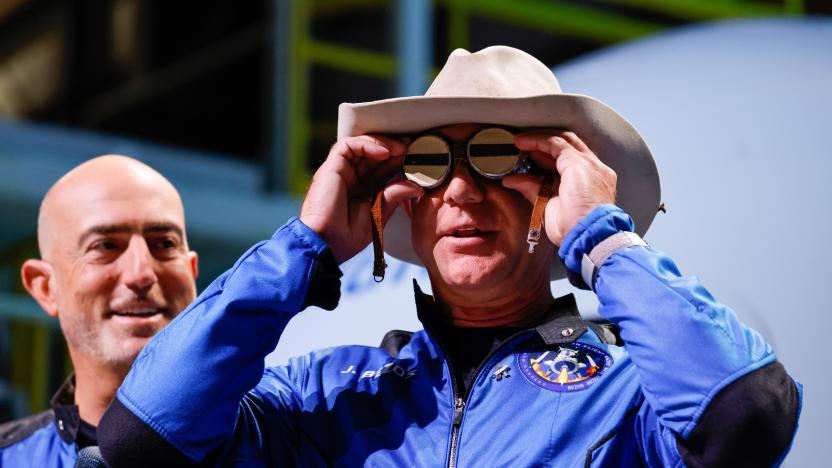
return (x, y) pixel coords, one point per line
(613, 139)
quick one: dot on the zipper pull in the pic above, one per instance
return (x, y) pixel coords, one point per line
(459, 406)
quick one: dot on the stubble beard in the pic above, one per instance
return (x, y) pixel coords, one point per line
(100, 345)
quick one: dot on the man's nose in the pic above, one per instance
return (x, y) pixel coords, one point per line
(463, 186)
(138, 263)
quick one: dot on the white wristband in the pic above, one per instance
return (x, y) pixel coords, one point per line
(592, 262)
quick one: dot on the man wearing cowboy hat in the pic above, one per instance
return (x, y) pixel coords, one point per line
(498, 174)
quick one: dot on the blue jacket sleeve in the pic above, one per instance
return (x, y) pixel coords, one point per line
(188, 382)
(686, 346)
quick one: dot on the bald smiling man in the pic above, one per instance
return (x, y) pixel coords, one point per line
(115, 268)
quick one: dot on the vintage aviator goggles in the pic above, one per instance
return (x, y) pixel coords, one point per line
(490, 152)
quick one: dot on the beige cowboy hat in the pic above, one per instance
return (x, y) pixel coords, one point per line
(506, 86)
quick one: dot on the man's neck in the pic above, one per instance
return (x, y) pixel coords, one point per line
(476, 310)
(95, 388)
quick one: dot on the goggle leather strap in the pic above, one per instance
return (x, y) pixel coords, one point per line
(377, 227)
(545, 192)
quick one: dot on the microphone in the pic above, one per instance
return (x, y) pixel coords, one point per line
(90, 457)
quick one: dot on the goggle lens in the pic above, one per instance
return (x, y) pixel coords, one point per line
(428, 161)
(492, 153)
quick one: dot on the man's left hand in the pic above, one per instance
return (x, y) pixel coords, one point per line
(585, 182)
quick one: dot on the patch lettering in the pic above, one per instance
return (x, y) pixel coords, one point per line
(389, 368)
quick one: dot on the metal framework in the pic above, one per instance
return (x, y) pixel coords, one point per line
(297, 50)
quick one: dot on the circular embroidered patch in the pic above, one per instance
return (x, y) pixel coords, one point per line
(568, 368)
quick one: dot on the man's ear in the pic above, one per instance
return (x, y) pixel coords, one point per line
(38, 278)
(193, 259)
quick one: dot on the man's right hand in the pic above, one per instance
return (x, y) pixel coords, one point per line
(337, 204)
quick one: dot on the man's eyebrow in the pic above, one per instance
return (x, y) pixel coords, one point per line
(102, 230)
(105, 229)
(163, 227)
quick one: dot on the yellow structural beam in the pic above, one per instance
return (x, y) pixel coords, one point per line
(567, 19)
(701, 10)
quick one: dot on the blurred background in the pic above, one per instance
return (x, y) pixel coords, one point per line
(236, 103)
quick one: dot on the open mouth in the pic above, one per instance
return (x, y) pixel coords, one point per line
(467, 232)
(139, 312)
(470, 233)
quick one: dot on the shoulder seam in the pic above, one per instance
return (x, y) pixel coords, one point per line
(15, 431)
(606, 332)
(394, 340)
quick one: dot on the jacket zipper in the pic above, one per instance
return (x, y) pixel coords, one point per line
(459, 402)
(459, 407)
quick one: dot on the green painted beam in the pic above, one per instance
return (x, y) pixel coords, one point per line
(794, 7)
(23, 309)
(30, 356)
(351, 59)
(39, 394)
(458, 18)
(562, 18)
(699, 10)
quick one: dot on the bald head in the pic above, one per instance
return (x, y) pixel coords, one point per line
(103, 180)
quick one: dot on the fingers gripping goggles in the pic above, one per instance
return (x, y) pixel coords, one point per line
(490, 152)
